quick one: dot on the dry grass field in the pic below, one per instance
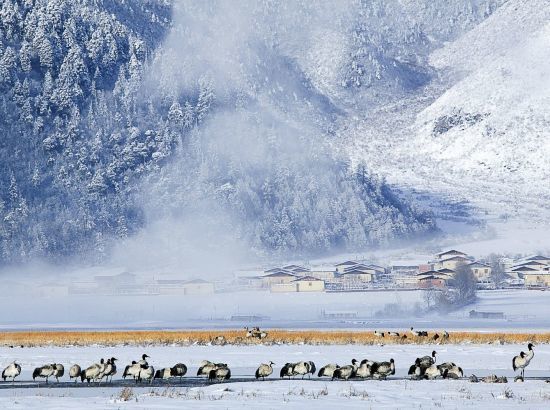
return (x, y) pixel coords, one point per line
(238, 337)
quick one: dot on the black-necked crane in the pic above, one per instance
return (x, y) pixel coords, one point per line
(427, 361)
(110, 368)
(205, 367)
(93, 372)
(220, 374)
(264, 370)
(287, 370)
(364, 369)
(522, 360)
(143, 360)
(146, 372)
(451, 372)
(179, 370)
(381, 370)
(346, 372)
(45, 371)
(416, 371)
(74, 372)
(328, 370)
(433, 372)
(59, 371)
(11, 371)
(301, 369)
(132, 370)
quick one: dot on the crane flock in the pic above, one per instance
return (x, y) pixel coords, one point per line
(424, 368)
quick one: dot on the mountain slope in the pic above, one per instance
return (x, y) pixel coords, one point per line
(472, 144)
(109, 127)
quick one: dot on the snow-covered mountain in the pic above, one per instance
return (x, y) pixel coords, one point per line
(477, 135)
(140, 121)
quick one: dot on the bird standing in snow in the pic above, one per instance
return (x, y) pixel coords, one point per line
(264, 370)
(523, 359)
(12, 371)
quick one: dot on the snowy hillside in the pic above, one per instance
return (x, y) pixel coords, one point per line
(229, 126)
(491, 129)
(473, 144)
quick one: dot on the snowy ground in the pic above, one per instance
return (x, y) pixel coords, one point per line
(275, 393)
(525, 310)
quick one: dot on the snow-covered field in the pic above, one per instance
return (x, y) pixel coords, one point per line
(275, 393)
(525, 310)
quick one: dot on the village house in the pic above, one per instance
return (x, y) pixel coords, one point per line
(357, 275)
(425, 267)
(432, 279)
(184, 287)
(533, 264)
(539, 258)
(277, 278)
(309, 284)
(481, 271)
(296, 269)
(124, 283)
(198, 287)
(341, 267)
(537, 279)
(451, 263)
(520, 271)
(430, 282)
(449, 254)
(301, 284)
(408, 281)
(322, 274)
(404, 270)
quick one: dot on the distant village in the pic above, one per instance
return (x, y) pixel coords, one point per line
(439, 273)
(347, 276)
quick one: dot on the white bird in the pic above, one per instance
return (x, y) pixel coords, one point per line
(453, 372)
(522, 360)
(132, 370)
(93, 372)
(143, 360)
(110, 369)
(301, 369)
(12, 371)
(445, 335)
(393, 334)
(165, 373)
(433, 372)
(220, 374)
(416, 332)
(74, 372)
(378, 334)
(179, 370)
(146, 373)
(287, 370)
(346, 372)
(382, 370)
(416, 371)
(427, 361)
(59, 371)
(264, 370)
(312, 367)
(327, 370)
(364, 369)
(45, 371)
(205, 368)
